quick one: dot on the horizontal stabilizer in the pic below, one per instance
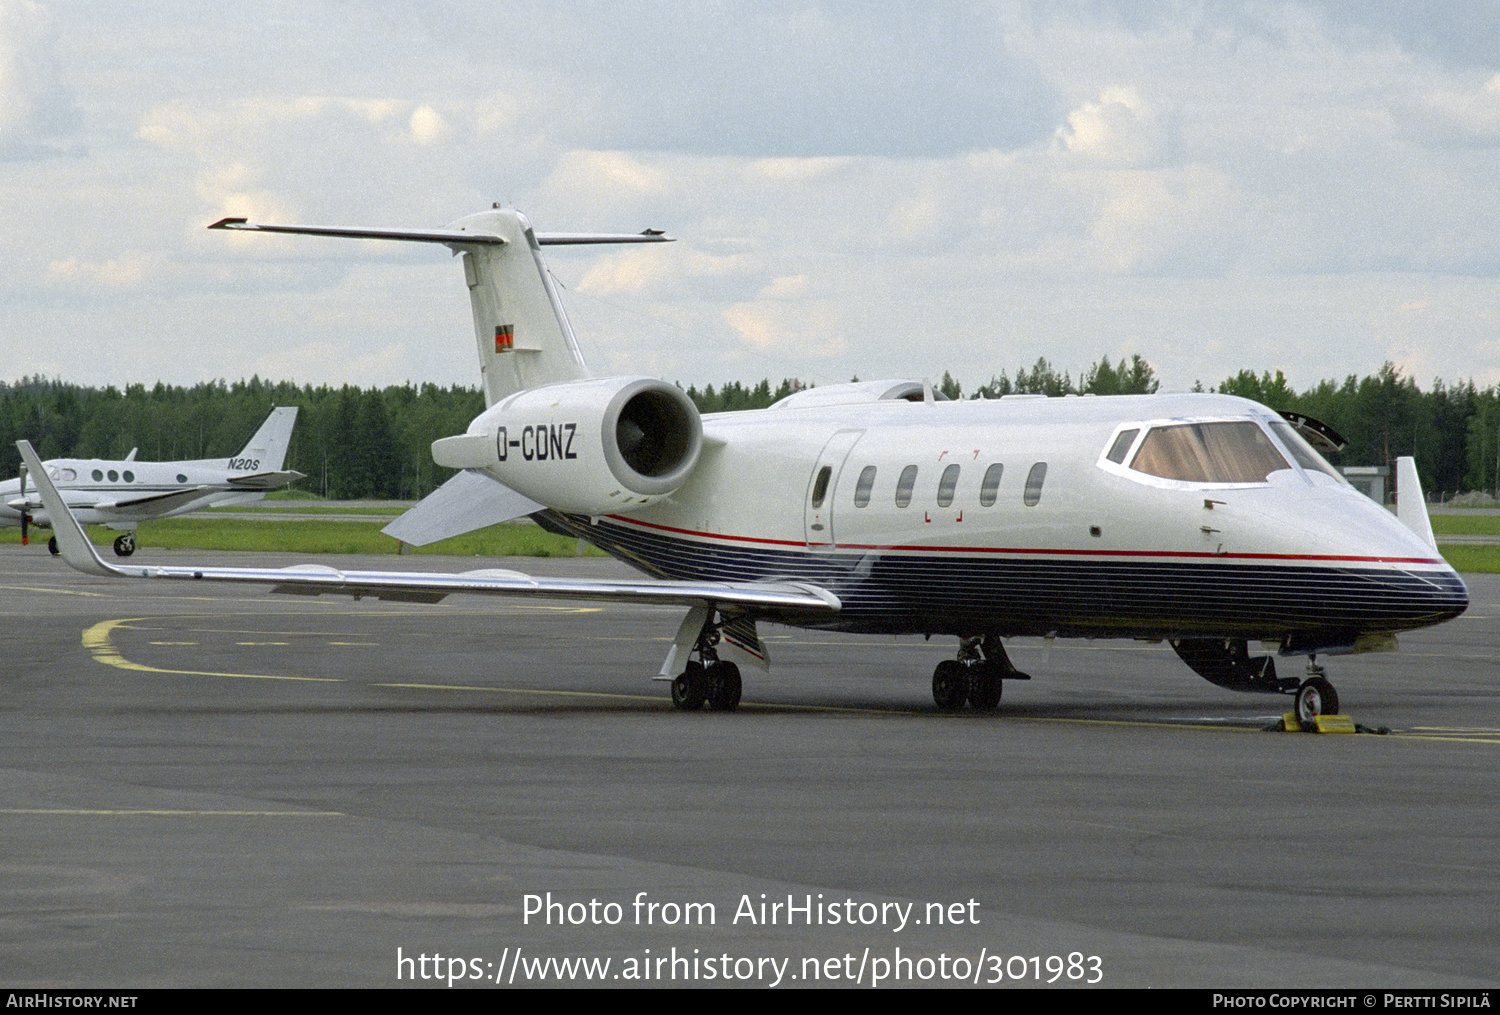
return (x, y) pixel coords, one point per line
(448, 236)
(265, 480)
(521, 331)
(468, 501)
(409, 235)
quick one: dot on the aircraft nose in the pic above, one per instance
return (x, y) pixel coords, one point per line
(1446, 594)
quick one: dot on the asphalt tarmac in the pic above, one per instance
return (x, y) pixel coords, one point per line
(215, 786)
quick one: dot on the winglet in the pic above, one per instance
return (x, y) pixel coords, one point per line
(1411, 508)
(71, 541)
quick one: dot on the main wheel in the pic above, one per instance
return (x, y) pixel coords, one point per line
(125, 544)
(52, 546)
(950, 685)
(1315, 697)
(724, 687)
(690, 688)
(984, 689)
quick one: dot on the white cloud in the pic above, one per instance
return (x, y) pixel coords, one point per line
(35, 104)
(127, 272)
(780, 327)
(1118, 129)
(1206, 184)
(428, 126)
(1469, 115)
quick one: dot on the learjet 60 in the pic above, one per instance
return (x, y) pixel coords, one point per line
(1204, 520)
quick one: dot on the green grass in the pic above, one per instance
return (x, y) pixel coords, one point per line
(344, 508)
(513, 539)
(508, 540)
(1466, 525)
(292, 493)
(1473, 559)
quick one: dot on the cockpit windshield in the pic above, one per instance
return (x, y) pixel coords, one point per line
(1235, 451)
(1306, 456)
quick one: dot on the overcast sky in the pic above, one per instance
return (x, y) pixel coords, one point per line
(874, 188)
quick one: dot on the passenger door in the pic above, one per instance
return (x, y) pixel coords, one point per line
(823, 485)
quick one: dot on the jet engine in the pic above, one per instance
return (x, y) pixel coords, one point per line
(591, 447)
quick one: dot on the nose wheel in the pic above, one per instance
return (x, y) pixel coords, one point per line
(125, 544)
(1315, 697)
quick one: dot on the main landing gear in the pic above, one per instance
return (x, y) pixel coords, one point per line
(716, 685)
(124, 545)
(975, 676)
(708, 680)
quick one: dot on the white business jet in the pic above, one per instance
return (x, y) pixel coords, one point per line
(877, 507)
(122, 494)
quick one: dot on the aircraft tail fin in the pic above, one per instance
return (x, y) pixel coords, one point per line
(268, 445)
(523, 335)
(1411, 508)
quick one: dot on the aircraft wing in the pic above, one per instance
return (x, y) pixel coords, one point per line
(150, 505)
(408, 586)
(146, 506)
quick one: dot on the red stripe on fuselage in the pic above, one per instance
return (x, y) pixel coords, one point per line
(1029, 551)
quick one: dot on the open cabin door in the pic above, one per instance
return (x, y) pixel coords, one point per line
(817, 516)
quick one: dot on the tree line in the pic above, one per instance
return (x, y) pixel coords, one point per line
(357, 443)
(352, 443)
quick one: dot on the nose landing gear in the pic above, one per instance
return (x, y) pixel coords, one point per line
(1315, 696)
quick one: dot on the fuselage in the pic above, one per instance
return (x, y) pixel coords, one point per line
(103, 491)
(1032, 516)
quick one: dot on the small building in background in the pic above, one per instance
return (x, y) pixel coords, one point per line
(1370, 480)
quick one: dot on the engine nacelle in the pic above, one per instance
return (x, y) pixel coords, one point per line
(589, 447)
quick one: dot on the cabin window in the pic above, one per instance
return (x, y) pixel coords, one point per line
(1121, 447)
(990, 488)
(129, 476)
(98, 476)
(946, 485)
(1228, 452)
(904, 485)
(864, 486)
(181, 478)
(820, 485)
(114, 477)
(1034, 480)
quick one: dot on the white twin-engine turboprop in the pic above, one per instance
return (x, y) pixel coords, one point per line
(122, 494)
(879, 507)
